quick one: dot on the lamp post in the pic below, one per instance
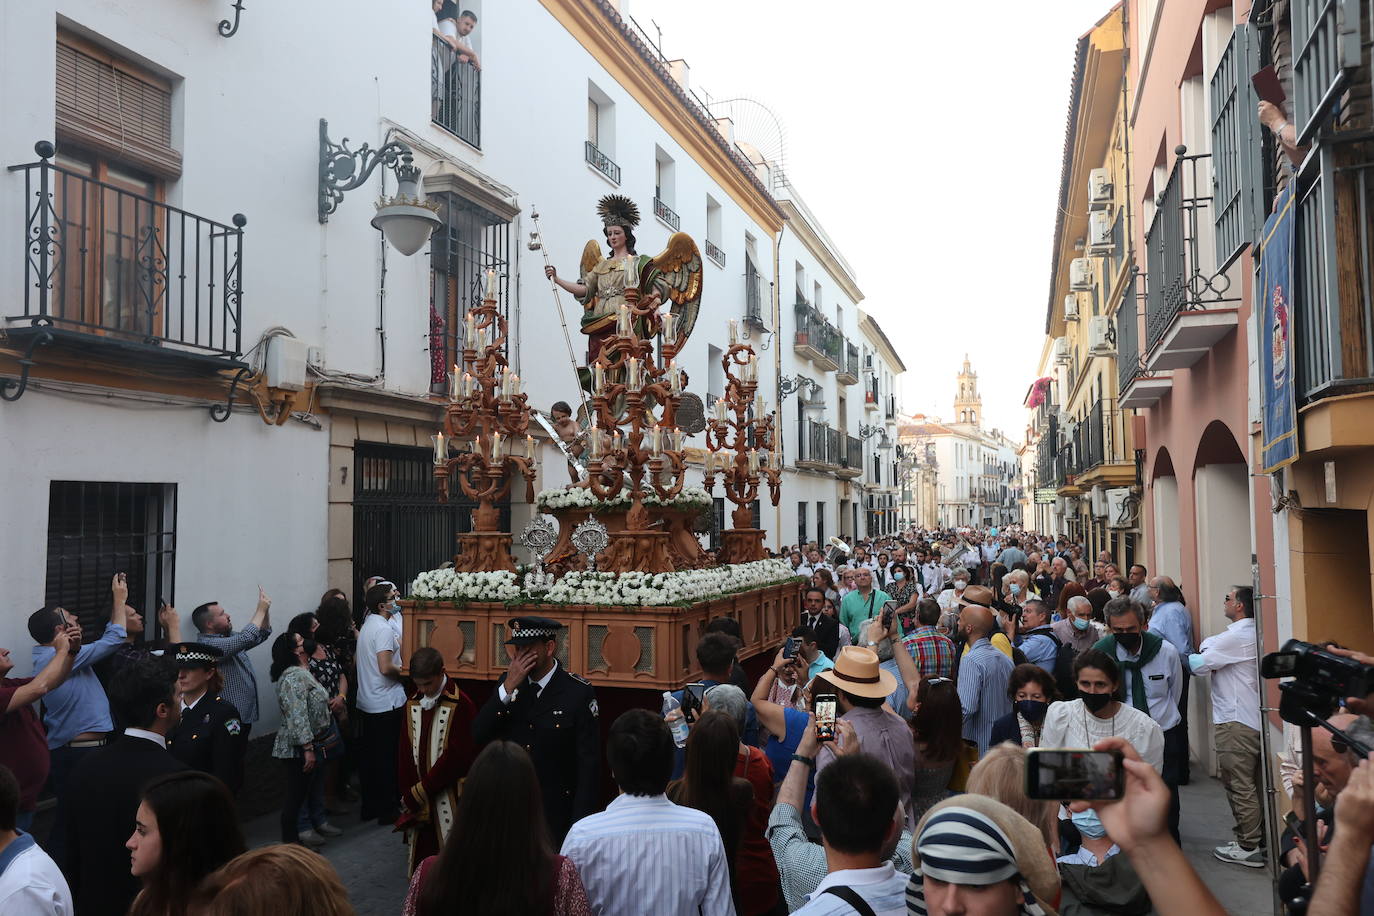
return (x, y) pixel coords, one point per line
(406, 220)
(488, 413)
(742, 450)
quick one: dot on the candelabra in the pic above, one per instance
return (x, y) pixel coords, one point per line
(634, 446)
(486, 417)
(741, 450)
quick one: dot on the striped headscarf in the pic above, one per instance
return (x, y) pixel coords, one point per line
(958, 845)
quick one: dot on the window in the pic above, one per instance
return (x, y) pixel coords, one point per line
(98, 529)
(593, 123)
(470, 241)
(801, 524)
(600, 145)
(664, 195)
(713, 231)
(820, 522)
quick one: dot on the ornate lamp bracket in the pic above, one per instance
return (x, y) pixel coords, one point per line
(343, 169)
(227, 28)
(791, 385)
(21, 385)
(220, 412)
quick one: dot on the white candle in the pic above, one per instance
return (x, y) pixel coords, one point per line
(623, 320)
(598, 377)
(470, 332)
(634, 372)
(753, 460)
(496, 446)
(594, 440)
(720, 409)
(758, 407)
(734, 332)
(455, 385)
(669, 320)
(677, 439)
(529, 448)
(440, 450)
(674, 379)
(656, 440)
(491, 285)
(467, 384)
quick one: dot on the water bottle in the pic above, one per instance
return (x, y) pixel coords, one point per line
(672, 714)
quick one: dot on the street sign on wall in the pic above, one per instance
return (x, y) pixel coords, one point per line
(1045, 495)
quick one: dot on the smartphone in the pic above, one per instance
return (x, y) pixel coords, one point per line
(908, 622)
(825, 717)
(886, 622)
(789, 649)
(692, 698)
(1067, 774)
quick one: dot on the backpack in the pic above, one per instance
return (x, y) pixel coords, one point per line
(1063, 663)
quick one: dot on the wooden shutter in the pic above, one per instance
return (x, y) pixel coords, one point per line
(114, 108)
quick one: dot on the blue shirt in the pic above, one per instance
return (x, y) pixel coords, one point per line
(1172, 621)
(1081, 856)
(1012, 557)
(822, 663)
(240, 683)
(1039, 650)
(983, 675)
(78, 704)
(779, 751)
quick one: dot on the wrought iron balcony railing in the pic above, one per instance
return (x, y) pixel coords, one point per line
(602, 163)
(818, 443)
(667, 214)
(853, 453)
(851, 359)
(1180, 278)
(714, 253)
(1128, 335)
(1326, 52)
(105, 262)
(456, 96)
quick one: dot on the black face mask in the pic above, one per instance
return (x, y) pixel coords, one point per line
(1033, 710)
(1096, 702)
(1130, 641)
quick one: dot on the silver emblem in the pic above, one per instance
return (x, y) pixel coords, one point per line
(590, 538)
(539, 537)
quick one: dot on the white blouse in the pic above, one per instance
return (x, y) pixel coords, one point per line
(1069, 724)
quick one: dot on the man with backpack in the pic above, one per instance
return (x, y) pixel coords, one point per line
(1042, 647)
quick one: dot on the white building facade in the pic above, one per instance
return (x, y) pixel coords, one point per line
(142, 304)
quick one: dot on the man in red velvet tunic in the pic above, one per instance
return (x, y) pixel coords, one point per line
(435, 752)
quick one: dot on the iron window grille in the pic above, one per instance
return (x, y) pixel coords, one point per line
(98, 529)
(1238, 146)
(1179, 280)
(470, 241)
(400, 529)
(666, 213)
(456, 94)
(603, 163)
(714, 253)
(1128, 335)
(753, 293)
(1326, 51)
(102, 260)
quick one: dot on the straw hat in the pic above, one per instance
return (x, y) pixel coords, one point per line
(858, 673)
(976, 596)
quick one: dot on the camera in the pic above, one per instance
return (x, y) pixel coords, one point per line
(1321, 680)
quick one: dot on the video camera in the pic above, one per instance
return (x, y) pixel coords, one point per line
(1321, 680)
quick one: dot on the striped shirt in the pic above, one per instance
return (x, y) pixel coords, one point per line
(982, 682)
(932, 651)
(240, 684)
(646, 854)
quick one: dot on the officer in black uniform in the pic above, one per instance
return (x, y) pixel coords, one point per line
(553, 715)
(210, 736)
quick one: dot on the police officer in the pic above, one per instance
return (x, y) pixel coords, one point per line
(553, 715)
(211, 735)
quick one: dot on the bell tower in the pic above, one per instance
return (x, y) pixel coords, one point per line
(968, 404)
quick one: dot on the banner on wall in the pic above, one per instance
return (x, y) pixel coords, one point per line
(1275, 332)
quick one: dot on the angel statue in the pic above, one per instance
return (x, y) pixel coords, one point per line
(674, 276)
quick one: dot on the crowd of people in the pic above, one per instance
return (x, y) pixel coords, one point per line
(948, 658)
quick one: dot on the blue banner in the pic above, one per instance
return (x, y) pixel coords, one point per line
(1275, 331)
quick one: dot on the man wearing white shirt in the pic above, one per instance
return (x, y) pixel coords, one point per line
(30, 882)
(644, 854)
(380, 698)
(1229, 658)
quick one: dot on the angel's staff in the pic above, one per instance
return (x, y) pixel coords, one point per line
(536, 243)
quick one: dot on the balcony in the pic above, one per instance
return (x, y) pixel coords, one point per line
(107, 269)
(848, 373)
(891, 411)
(714, 253)
(818, 446)
(1188, 307)
(602, 163)
(852, 461)
(817, 339)
(871, 394)
(1138, 388)
(456, 89)
(667, 214)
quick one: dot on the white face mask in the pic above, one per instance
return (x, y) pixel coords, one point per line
(1115, 593)
(960, 583)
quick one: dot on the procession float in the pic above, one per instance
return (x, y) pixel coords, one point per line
(615, 555)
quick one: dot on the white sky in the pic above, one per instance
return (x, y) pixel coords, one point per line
(928, 139)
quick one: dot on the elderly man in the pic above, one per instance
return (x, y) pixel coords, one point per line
(1169, 617)
(1152, 682)
(1035, 637)
(1059, 577)
(1229, 659)
(983, 675)
(1078, 630)
(862, 604)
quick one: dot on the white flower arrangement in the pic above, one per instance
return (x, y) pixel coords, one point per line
(584, 498)
(630, 589)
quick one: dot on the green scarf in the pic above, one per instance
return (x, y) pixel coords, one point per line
(1149, 648)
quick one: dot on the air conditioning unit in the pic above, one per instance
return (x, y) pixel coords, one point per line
(1100, 233)
(1101, 340)
(1122, 508)
(1099, 188)
(1071, 307)
(1100, 507)
(1080, 274)
(1061, 350)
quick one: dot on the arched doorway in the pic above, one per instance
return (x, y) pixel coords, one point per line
(1168, 554)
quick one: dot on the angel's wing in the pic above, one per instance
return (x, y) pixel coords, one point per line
(591, 256)
(680, 266)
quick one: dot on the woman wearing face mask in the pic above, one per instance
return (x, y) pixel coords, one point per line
(1032, 690)
(949, 598)
(1117, 586)
(1098, 714)
(304, 728)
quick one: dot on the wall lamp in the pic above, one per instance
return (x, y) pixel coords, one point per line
(406, 220)
(799, 383)
(884, 440)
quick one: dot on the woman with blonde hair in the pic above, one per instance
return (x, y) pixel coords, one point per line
(286, 879)
(1001, 775)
